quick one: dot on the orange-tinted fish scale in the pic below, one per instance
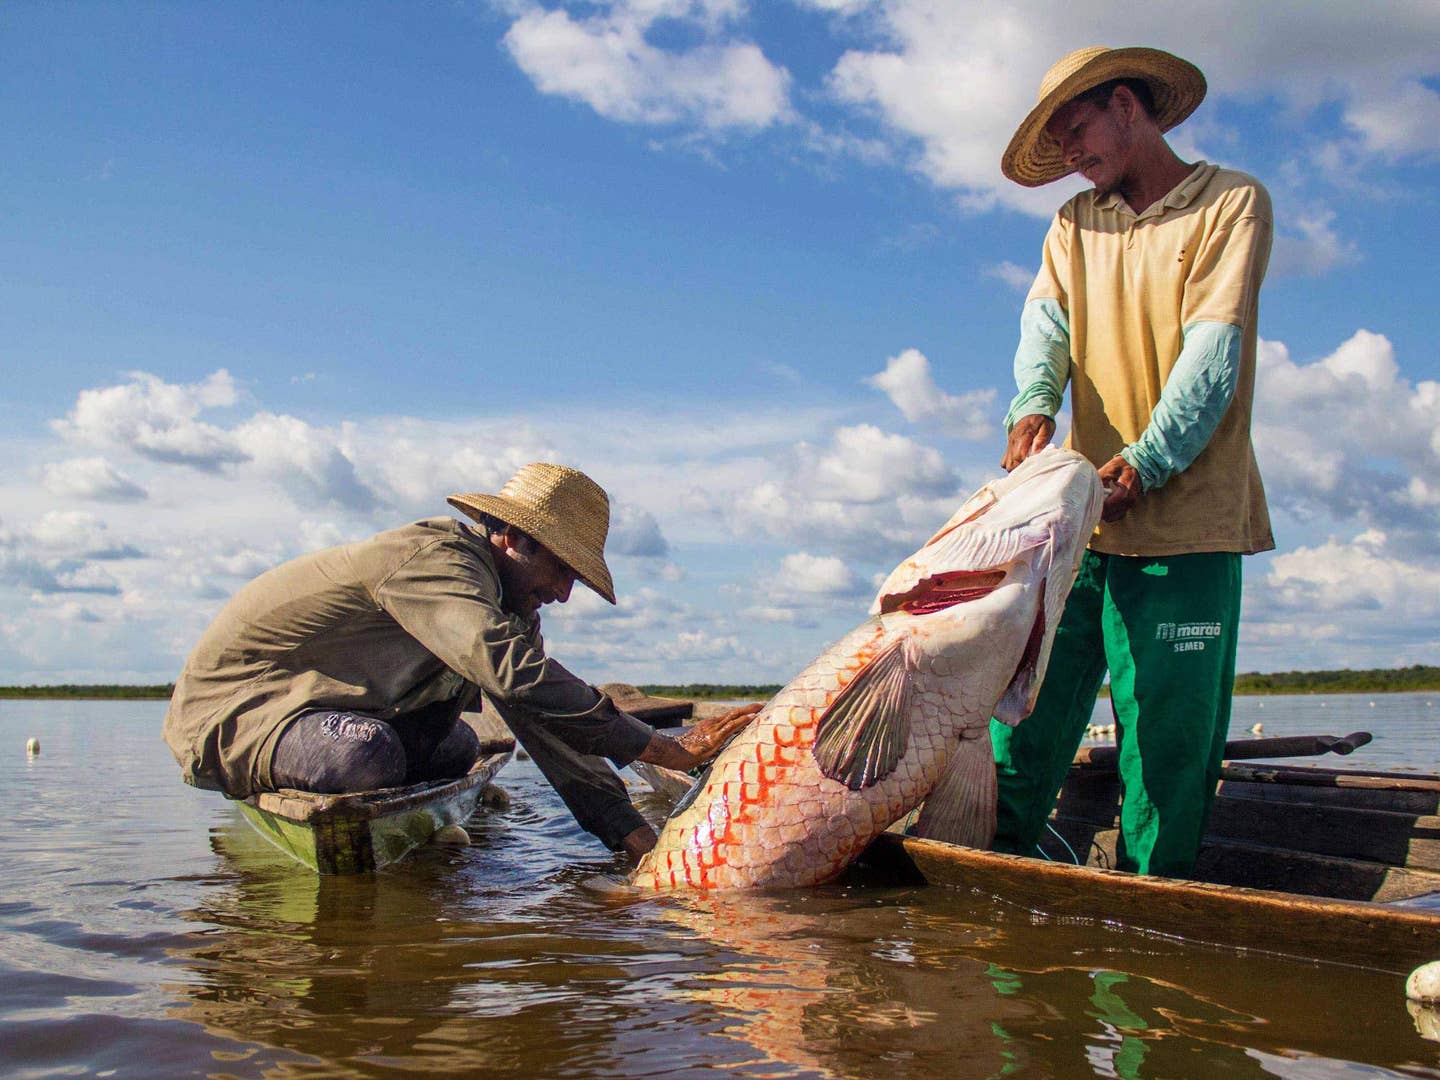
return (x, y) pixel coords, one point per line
(767, 795)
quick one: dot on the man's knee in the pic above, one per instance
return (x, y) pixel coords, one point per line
(454, 755)
(332, 752)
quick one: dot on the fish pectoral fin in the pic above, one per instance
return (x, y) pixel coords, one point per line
(862, 734)
(960, 809)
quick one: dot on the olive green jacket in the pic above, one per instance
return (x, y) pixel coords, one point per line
(409, 618)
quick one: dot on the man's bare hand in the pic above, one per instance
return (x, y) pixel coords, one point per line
(1030, 435)
(1122, 488)
(639, 841)
(699, 744)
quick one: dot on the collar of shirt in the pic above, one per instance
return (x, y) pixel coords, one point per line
(1179, 197)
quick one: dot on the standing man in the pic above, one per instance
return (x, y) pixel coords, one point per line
(1146, 304)
(347, 669)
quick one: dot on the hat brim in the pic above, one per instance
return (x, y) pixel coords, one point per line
(549, 532)
(1033, 158)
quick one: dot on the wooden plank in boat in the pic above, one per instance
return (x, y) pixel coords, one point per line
(656, 711)
(1275, 862)
(1382, 836)
(1324, 828)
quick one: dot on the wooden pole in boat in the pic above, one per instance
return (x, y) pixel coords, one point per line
(1250, 749)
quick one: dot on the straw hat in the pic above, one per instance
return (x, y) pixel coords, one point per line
(1033, 157)
(561, 508)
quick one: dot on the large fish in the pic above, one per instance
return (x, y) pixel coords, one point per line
(899, 708)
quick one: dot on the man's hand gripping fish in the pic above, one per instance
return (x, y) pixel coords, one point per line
(899, 708)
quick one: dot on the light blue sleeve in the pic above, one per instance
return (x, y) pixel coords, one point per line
(1042, 360)
(1191, 405)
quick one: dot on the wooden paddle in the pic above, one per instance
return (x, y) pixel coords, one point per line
(1250, 749)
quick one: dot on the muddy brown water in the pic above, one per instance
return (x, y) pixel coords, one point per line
(148, 931)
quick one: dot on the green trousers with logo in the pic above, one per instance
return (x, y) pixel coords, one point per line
(1165, 629)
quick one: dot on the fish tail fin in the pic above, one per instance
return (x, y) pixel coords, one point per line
(961, 807)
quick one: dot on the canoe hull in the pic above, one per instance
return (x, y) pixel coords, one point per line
(1362, 933)
(363, 831)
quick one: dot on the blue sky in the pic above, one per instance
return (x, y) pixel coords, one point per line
(280, 275)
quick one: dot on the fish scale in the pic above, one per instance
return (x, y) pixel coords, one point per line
(787, 804)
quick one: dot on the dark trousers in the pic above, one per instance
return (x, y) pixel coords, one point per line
(333, 751)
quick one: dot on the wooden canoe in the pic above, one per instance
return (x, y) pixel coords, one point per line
(361, 831)
(1340, 865)
(1327, 863)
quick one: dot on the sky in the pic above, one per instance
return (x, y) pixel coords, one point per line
(279, 276)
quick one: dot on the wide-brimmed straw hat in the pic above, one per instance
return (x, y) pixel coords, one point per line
(561, 508)
(1033, 158)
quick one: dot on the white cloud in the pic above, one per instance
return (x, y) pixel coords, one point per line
(955, 77)
(156, 420)
(743, 541)
(1308, 246)
(823, 575)
(867, 491)
(1012, 274)
(310, 463)
(606, 62)
(636, 533)
(906, 380)
(1404, 122)
(90, 478)
(1346, 603)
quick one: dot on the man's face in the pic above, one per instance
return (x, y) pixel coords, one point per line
(531, 578)
(1094, 141)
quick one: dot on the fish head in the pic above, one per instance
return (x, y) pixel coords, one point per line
(1000, 569)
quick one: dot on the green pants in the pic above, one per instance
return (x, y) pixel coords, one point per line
(1165, 629)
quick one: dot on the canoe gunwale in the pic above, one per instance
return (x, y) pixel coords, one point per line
(309, 807)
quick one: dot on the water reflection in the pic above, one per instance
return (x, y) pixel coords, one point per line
(146, 930)
(456, 964)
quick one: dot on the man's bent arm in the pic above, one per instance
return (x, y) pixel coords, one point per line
(1191, 405)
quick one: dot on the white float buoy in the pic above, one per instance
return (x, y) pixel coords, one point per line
(1256, 728)
(32, 746)
(452, 834)
(1423, 985)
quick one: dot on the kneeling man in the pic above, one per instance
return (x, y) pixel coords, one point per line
(347, 669)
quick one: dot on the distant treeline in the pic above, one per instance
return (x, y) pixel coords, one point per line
(1373, 681)
(715, 691)
(127, 693)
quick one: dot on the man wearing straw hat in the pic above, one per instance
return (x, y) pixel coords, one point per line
(347, 669)
(1146, 304)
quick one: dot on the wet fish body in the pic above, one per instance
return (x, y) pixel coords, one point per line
(899, 708)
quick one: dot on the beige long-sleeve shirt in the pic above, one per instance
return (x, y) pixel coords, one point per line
(406, 619)
(1129, 288)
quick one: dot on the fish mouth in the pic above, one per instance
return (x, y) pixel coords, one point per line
(941, 591)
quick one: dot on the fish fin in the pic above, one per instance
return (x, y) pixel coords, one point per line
(961, 807)
(862, 735)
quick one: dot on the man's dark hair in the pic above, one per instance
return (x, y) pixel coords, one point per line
(1099, 96)
(493, 524)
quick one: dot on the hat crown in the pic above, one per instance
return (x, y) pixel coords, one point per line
(560, 507)
(1066, 66)
(562, 494)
